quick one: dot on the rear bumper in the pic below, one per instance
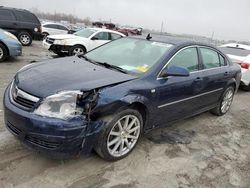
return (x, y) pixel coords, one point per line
(53, 137)
(245, 79)
(37, 36)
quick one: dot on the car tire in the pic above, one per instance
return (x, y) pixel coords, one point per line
(116, 140)
(3, 52)
(246, 88)
(225, 102)
(25, 38)
(77, 50)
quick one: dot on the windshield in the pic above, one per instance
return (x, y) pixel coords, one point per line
(85, 33)
(133, 55)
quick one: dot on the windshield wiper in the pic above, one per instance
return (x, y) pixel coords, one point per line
(107, 65)
(110, 66)
(87, 59)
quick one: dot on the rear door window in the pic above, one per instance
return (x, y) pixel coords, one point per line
(7, 15)
(102, 36)
(24, 16)
(115, 36)
(210, 58)
(62, 27)
(52, 26)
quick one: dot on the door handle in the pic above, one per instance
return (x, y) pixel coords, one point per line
(14, 23)
(226, 73)
(198, 79)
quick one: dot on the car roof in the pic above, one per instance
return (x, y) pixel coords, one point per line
(236, 46)
(176, 41)
(46, 23)
(11, 8)
(103, 29)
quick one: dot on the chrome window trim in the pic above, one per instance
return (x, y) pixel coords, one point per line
(23, 94)
(188, 98)
(192, 46)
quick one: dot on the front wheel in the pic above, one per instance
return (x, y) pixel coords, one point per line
(225, 102)
(77, 50)
(120, 135)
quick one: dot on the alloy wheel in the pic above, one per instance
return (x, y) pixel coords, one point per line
(78, 51)
(123, 136)
(227, 101)
(25, 39)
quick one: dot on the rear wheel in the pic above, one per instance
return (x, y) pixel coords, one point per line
(3, 52)
(246, 88)
(77, 50)
(120, 135)
(25, 38)
(225, 102)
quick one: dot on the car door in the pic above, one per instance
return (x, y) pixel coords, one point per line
(215, 75)
(178, 97)
(8, 20)
(99, 39)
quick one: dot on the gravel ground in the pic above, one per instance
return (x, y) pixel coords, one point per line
(203, 151)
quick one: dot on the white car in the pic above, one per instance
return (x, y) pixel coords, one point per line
(54, 29)
(80, 42)
(240, 54)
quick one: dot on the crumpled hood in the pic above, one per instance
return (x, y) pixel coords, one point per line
(70, 73)
(65, 36)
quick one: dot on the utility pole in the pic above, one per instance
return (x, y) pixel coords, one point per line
(161, 27)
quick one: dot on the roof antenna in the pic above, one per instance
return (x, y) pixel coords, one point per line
(148, 37)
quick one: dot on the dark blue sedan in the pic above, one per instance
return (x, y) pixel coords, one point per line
(106, 99)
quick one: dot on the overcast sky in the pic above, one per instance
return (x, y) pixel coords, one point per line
(228, 19)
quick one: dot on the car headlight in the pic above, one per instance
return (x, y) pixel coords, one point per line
(60, 42)
(9, 35)
(63, 105)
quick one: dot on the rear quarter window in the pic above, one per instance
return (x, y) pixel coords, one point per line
(7, 15)
(24, 16)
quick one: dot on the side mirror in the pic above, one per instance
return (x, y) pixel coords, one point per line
(174, 71)
(94, 38)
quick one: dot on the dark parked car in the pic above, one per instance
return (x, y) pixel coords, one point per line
(106, 99)
(22, 23)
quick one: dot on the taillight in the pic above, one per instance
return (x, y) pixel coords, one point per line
(40, 29)
(245, 65)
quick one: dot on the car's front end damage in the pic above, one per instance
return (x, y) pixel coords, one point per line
(54, 136)
(55, 116)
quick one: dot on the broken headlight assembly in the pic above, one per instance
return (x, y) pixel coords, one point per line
(64, 105)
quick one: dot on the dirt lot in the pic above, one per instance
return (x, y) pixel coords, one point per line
(204, 151)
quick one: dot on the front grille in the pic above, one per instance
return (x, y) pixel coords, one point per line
(50, 40)
(41, 142)
(22, 98)
(14, 129)
(24, 102)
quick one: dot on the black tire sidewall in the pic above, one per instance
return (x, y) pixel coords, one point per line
(4, 52)
(25, 33)
(101, 146)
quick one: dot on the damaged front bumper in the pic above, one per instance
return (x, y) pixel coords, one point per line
(54, 137)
